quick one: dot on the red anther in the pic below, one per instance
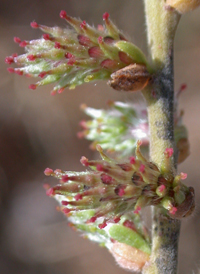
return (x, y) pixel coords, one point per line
(11, 70)
(31, 57)
(46, 186)
(23, 44)
(65, 203)
(106, 15)
(57, 170)
(32, 86)
(173, 210)
(95, 52)
(46, 36)
(34, 25)
(48, 171)
(63, 14)
(132, 160)
(19, 72)
(169, 152)
(92, 220)
(50, 192)
(116, 219)
(183, 175)
(60, 90)
(99, 167)
(78, 197)
(9, 60)
(17, 40)
(109, 64)
(81, 134)
(14, 55)
(57, 45)
(83, 40)
(129, 224)
(137, 210)
(101, 226)
(83, 124)
(162, 188)
(66, 210)
(100, 28)
(84, 161)
(42, 74)
(121, 192)
(71, 62)
(183, 87)
(65, 178)
(83, 25)
(142, 168)
(106, 179)
(68, 55)
(53, 92)
(100, 40)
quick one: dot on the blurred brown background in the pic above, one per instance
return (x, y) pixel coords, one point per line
(38, 130)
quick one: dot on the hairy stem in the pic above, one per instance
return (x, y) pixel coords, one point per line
(161, 26)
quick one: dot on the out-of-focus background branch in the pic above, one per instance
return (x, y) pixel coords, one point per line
(38, 130)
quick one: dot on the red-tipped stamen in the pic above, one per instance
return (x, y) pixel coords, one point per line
(65, 203)
(9, 60)
(137, 210)
(42, 74)
(106, 15)
(31, 57)
(101, 226)
(142, 168)
(65, 178)
(63, 14)
(78, 197)
(132, 160)
(50, 192)
(46, 36)
(32, 86)
(34, 25)
(23, 44)
(57, 45)
(48, 171)
(173, 210)
(183, 175)
(11, 70)
(17, 40)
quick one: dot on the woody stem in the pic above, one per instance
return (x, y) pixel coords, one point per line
(161, 26)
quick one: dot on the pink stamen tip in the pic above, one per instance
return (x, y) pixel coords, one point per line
(117, 219)
(66, 210)
(169, 152)
(101, 226)
(9, 60)
(137, 210)
(78, 197)
(50, 192)
(14, 55)
(17, 40)
(57, 170)
(183, 87)
(34, 25)
(65, 203)
(19, 72)
(57, 45)
(132, 160)
(48, 171)
(99, 167)
(71, 62)
(31, 57)
(68, 55)
(142, 168)
(32, 86)
(11, 70)
(65, 178)
(100, 28)
(63, 14)
(173, 210)
(23, 44)
(42, 74)
(183, 175)
(46, 186)
(84, 161)
(106, 15)
(53, 92)
(121, 192)
(106, 179)
(61, 90)
(83, 24)
(162, 188)
(92, 220)
(46, 36)
(100, 40)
